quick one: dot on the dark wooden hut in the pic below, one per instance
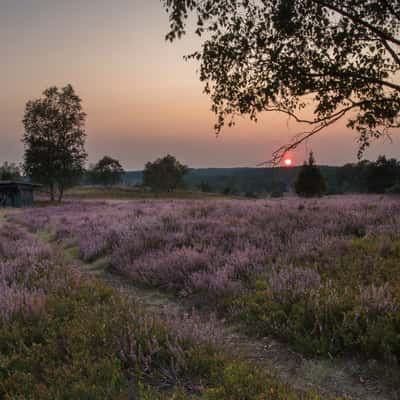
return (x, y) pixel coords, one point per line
(16, 194)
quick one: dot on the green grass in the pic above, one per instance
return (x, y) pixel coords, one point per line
(90, 343)
(348, 313)
(46, 236)
(71, 253)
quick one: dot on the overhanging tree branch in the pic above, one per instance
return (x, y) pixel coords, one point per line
(392, 52)
(357, 20)
(301, 137)
(269, 55)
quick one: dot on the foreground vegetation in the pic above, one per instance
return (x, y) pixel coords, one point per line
(66, 336)
(322, 275)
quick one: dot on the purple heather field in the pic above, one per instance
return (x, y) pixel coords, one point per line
(216, 247)
(29, 270)
(319, 274)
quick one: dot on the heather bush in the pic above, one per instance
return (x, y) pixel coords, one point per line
(90, 343)
(137, 235)
(291, 284)
(66, 336)
(87, 345)
(323, 319)
(377, 300)
(25, 263)
(320, 273)
(240, 381)
(14, 300)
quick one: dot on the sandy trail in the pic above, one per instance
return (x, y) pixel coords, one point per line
(345, 377)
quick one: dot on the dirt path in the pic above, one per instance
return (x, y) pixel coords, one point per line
(6, 211)
(345, 378)
(337, 377)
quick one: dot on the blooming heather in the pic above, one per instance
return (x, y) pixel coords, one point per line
(289, 284)
(28, 270)
(321, 273)
(213, 245)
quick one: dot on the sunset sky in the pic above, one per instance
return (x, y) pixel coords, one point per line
(142, 99)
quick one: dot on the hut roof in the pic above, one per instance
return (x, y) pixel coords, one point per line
(14, 184)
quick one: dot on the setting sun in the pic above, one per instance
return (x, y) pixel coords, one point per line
(288, 162)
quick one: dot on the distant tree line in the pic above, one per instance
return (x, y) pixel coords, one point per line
(55, 156)
(165, 174)
(380, 176)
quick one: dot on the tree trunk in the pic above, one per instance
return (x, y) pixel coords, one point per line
(51, 192)
(60, 193)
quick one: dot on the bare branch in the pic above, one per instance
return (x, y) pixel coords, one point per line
(278, 154)
(316, 120)
(392, 52)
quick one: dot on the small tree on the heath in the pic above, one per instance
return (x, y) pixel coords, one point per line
(54, 139)
(107, 171)
(310, 182)
(164, 174)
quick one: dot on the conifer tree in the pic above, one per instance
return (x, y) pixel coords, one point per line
(310, 181)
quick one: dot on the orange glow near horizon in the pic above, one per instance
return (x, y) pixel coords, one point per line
(142, 100)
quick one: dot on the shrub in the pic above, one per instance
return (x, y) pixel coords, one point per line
(276, 194)
(227, 191)
(395, 189)
(65, 336)
(345, 251)
(250, 194)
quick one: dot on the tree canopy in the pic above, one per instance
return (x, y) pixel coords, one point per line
(54, 139)
(9, 172)
(340, 57)
(164, 174)
(107, 171)
(382, 175)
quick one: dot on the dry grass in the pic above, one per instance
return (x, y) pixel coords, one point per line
(127, 193)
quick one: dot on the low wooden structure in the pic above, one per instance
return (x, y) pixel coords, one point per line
(16, 194)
